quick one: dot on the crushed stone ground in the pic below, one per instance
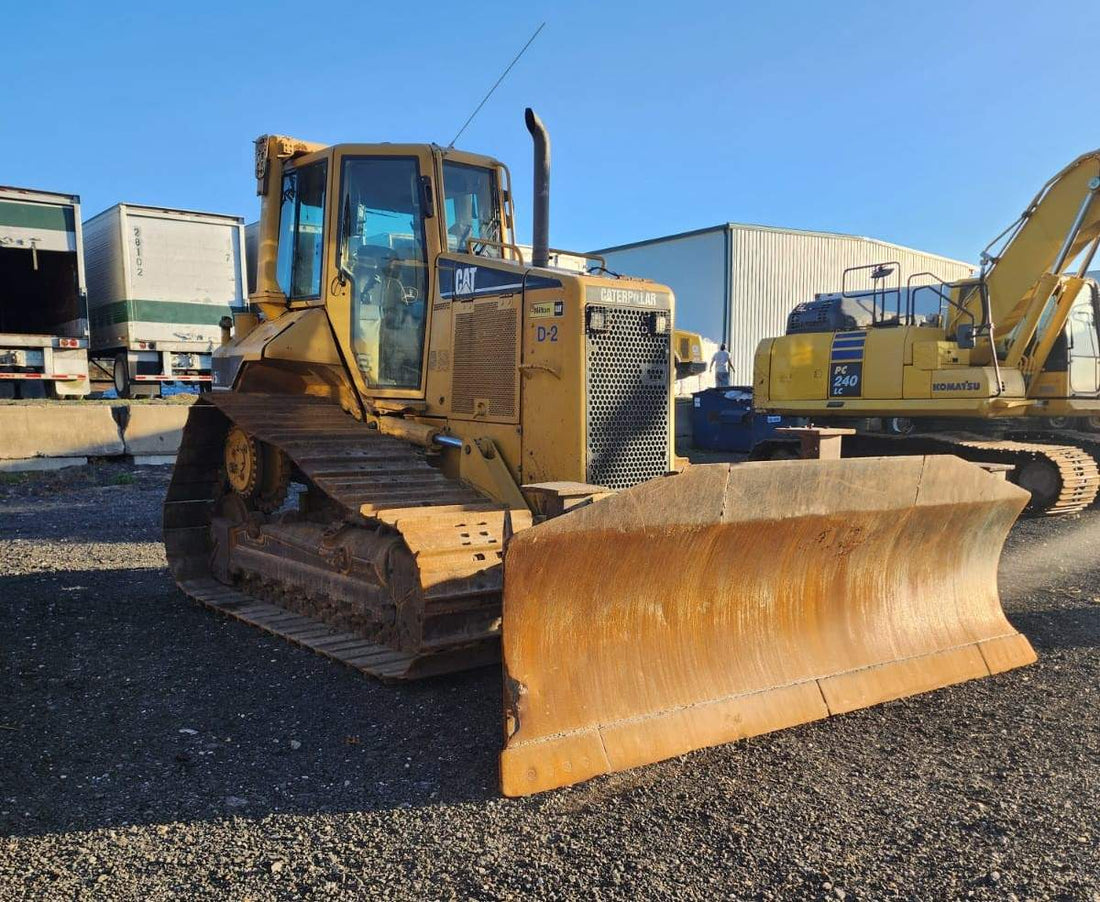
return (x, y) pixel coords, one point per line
(149, 749)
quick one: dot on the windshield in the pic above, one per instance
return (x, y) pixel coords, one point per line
(473, 207)
(382, 254)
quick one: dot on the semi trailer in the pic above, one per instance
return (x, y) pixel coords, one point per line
(43, 306)
(159, 282)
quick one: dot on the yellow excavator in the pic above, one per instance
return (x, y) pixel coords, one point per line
(423, 453)
(1002, 355)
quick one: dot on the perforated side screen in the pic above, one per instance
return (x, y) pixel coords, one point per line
(628, 398)
(485, 365)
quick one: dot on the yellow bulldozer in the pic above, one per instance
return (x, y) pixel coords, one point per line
(997, 362)
(423, 453)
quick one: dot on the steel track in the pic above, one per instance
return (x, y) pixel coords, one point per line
(440, 613)
(1074, 469)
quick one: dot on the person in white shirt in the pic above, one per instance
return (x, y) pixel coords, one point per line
(720, 363)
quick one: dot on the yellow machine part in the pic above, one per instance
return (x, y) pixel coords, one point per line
(733, 600)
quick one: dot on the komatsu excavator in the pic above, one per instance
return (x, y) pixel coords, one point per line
(422, 452)
(1013, 346)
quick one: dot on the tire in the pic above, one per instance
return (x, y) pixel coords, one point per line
(125, 386)
(897, 425)
(1092, 424)
(121, 375)
(1059, 422)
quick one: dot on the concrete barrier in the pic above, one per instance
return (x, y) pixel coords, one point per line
(58, 430)
(154, 431)
(51, 435)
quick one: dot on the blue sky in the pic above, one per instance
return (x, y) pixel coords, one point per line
(929, 124)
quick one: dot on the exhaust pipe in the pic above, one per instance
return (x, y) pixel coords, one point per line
(540, 238)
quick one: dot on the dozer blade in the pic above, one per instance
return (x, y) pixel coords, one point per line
(732, 600)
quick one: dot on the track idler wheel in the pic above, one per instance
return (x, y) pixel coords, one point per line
(1043, 479)
(257, 472)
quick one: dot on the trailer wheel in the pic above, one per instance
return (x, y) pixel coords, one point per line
(121, 373)
(125, 386)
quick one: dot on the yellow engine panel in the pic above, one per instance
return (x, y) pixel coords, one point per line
(934, 355)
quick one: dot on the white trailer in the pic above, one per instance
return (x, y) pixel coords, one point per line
(159, 283)
(43, 306)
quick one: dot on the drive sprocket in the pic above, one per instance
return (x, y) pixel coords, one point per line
(256, 471)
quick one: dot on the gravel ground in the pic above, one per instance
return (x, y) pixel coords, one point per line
(150, 749)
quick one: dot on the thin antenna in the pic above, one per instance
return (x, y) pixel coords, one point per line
(503, 75)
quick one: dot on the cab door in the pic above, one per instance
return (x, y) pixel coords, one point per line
(383, 217)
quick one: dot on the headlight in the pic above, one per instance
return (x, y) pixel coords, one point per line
(597, 319)
(657, 323)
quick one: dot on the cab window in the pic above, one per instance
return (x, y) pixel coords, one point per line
(473, 207)
(382, 255)
(301, 231)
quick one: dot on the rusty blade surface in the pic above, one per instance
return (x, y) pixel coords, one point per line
(732, 600)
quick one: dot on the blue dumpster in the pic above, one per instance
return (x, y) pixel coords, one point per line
(723, 419)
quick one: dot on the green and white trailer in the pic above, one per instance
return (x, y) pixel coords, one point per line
(43, 307)
(159, 282)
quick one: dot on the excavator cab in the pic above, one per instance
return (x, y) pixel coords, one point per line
(480, 452)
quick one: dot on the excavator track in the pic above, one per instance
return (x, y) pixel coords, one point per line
(1063, 479)
(1089, 442)
(381, 562)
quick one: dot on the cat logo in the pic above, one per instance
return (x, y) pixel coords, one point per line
(464, 279)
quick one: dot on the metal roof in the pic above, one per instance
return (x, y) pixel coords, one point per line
(767, 228)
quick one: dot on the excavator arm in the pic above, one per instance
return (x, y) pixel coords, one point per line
(1023, 294)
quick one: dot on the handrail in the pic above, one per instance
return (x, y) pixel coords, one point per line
(489, 242)
(509, 201)
(911, 293)
(599, 258)
(876, 292)
(471, 243)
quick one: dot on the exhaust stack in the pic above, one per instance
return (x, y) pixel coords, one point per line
(540, 238)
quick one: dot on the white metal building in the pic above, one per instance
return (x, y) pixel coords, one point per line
(737, 283)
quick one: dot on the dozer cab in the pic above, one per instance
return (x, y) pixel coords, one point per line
(423, 453)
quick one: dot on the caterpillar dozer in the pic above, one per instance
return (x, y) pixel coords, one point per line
(993, 369)
(422, 453)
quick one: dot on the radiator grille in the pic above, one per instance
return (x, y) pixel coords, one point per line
(628, 399)
(485, 365)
